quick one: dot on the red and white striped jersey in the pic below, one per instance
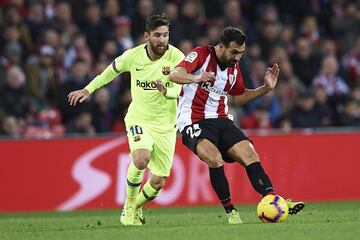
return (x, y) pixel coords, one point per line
(209, 99)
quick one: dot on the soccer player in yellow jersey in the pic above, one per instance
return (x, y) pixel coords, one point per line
(151, 118)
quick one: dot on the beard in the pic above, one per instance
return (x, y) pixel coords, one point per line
(228, 62)
(158, 49)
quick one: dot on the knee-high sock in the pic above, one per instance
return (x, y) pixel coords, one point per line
(220, 184)
(134, 179)
(147, 194)
(258, 178)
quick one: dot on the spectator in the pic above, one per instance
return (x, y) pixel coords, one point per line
(101, 112)
(93, 28)
(304, 61)
(351, 115)
(42, 82)
(14, 100)
(351, 62)
(81, 124)
(10, 127)
(145, 8)
(176, 27)
(323, 108)
(304, 114)
(123, 34)
(78, 79)
(329, 79)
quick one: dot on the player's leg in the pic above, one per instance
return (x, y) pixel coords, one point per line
(209, 153)
(242, 151)
(140, 142)
(149, 192)
(201, 138)
(159, 166)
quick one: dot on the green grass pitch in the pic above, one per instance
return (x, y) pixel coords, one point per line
(335, 220)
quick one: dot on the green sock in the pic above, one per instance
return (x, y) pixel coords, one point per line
(134, 179)
(147, 194)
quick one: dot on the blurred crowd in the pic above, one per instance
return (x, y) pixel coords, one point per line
(49, 48)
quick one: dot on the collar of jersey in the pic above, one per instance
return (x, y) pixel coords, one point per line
(148, 56)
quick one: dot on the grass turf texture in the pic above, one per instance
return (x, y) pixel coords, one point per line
(340, 220)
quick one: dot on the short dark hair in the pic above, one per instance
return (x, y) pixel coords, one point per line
(155, 21)
(230, 34)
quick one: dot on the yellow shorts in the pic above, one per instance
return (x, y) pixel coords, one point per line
(162, 147)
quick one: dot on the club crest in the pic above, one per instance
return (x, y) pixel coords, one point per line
(166, 70)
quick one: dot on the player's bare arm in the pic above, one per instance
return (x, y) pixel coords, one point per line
(270, 80)
(77, 96)
(181, 76)
(271, 76)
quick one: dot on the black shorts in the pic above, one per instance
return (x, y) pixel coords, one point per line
(223, 133)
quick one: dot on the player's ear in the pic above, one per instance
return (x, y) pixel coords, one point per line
(146, 36)
(222, 46)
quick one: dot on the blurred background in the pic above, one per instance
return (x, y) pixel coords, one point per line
(49, 48)
(306, 130)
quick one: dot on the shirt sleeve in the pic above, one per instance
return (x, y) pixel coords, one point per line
(192, 61)
(174, 90)
(238, 87)
(119, 65)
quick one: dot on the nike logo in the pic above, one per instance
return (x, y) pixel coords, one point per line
(139, 69)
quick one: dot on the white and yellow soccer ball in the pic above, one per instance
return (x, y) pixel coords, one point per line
(272, 209)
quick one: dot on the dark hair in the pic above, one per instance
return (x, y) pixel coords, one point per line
(230, 34)
(155, 21)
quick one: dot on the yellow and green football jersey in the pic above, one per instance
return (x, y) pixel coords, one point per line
(148, 107)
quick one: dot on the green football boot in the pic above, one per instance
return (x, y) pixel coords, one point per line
(127, 217)
(139, 217)
(234, 217)
(294, 207)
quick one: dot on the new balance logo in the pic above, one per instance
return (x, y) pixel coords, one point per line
(148, 85)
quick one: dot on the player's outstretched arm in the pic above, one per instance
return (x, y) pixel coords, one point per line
(271, 76)
(270, 80)
(77, 96)
(181, 76)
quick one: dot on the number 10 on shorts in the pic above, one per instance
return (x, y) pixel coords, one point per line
(136, 131)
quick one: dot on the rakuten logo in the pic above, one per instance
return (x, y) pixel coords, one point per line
(148, 85)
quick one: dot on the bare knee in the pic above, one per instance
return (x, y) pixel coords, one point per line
(244, 153)
(209, 153)
(214, 161)
(157, 182)
(141, 158)
(250, 156)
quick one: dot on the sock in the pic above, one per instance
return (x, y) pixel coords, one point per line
(259, 180)
(134, 179)
(221, 186)
(147, 194)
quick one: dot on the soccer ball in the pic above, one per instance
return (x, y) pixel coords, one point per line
(272, 209)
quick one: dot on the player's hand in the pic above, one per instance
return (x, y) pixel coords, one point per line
(160, 86)
(271, 76)
(77, 96)
(204, 77)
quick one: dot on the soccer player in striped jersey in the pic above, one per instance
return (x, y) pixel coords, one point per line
(209, 75)
(151, 118)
